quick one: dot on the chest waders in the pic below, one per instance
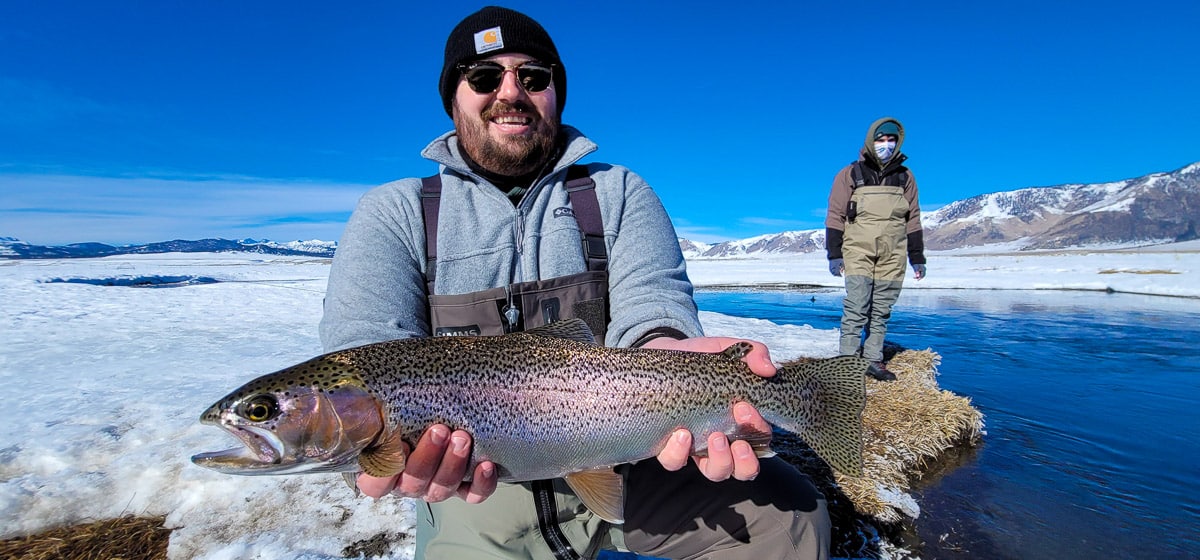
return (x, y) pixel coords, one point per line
(875, 243)
(874, 248)
(526, 305)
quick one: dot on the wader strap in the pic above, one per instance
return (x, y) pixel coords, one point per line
(856, 174)
(582, 190)
(896, 176)
(431, 198)
(547, 514)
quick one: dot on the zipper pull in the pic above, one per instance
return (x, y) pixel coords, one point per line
(511, 313)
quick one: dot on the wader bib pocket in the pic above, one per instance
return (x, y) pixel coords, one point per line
(537, 303)
(473, 314)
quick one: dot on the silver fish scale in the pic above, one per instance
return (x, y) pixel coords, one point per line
(542, 407)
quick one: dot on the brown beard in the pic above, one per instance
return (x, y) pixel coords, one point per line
(518, 155)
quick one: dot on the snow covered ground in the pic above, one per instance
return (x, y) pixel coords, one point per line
(104, 384)
(1154, 271)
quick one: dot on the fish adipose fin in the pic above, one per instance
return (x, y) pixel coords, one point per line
(569, 329)
(738, 350)
(822, 402)
(385, 457)
(602, 491)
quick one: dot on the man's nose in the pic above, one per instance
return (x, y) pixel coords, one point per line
(510, 88)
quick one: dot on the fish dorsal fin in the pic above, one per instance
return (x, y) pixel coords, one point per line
(569, 329)
(602, 491)
(759, 441)
(385, 457)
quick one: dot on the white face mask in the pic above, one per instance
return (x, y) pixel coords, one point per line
(885, 149)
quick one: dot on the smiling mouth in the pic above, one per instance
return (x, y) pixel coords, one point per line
(512, 120)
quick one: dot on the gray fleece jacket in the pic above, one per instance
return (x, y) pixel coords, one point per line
(376, 288)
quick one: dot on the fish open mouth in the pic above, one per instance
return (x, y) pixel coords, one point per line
(261, 453)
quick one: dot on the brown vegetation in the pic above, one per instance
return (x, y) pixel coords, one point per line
(127, 538)
(909, 425)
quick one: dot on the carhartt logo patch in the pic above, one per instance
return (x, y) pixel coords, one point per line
(563, 212)
(488, 40)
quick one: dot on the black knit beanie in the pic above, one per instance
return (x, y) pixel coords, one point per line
(495, 30)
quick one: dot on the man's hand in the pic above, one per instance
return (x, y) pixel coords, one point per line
(837, 266)
(434, 471)
(725, 459)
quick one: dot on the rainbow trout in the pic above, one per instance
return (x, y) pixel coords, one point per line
(545, 403)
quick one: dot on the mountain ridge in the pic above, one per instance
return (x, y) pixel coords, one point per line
(12, 248)
(1153, 209)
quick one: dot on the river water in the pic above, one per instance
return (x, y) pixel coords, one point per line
(1092, 409)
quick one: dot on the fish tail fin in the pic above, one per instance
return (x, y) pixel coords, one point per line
(822, 402)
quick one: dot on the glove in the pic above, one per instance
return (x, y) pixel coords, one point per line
(836, 266)
(918, 271)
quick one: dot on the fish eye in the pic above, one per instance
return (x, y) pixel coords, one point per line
(260, 408)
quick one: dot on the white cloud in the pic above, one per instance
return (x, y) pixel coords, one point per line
(60, 209)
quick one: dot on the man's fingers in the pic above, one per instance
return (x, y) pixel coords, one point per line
(482, 485)
(718, 465)
(450, 471)
(745, 414)
(376, 487)
(675, 455)
(422, 463)
(745, 462)
(759, 360)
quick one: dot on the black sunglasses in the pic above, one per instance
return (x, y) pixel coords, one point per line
(485, 77)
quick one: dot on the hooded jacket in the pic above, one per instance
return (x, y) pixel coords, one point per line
(843, 188)
(376, 288)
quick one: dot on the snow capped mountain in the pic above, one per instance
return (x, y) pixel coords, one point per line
(804, 241)
(692, 248)
(11, 248)
(1150, 210)
(1157, 208)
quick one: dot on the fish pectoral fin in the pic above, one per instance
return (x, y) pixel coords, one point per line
(384, 458)
(352, 481)
(602, 491)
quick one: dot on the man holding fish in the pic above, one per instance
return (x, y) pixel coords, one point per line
(513, 234)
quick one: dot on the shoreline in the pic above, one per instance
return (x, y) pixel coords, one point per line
(817, 288)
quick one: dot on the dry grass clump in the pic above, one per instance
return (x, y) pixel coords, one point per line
(907, 424)
(126, 538)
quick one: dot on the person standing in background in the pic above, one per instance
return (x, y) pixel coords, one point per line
(872, 225)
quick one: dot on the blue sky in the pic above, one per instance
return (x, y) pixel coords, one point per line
(138, 121)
